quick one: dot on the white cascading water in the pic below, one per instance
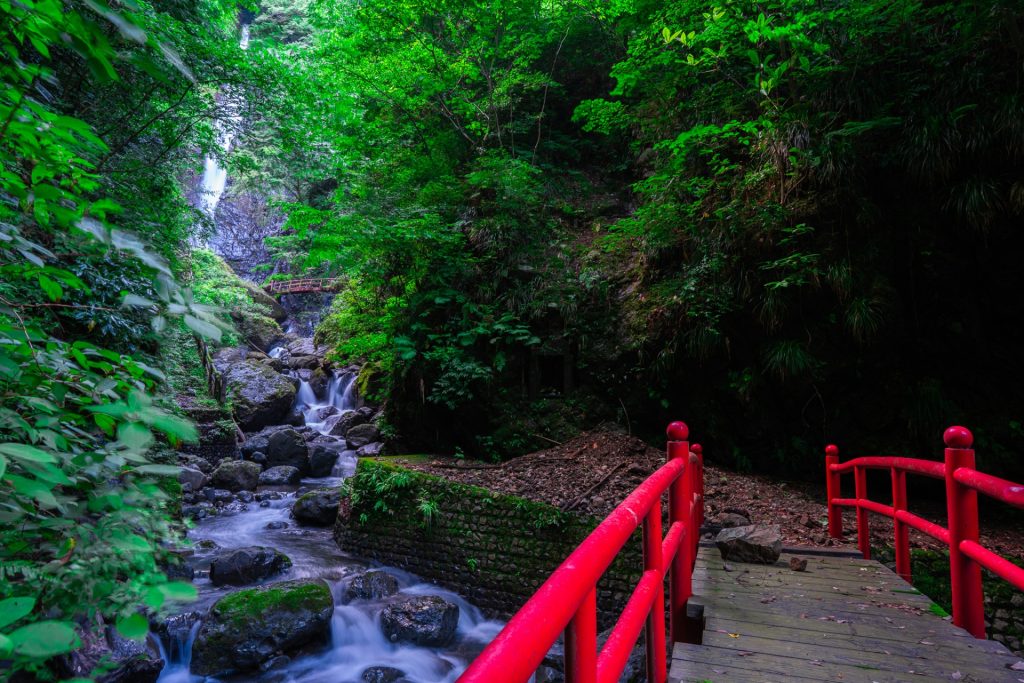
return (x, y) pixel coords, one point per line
(215, 175)
(357, 641)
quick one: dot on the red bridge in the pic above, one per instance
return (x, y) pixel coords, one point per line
(843, 617)
(304, 285)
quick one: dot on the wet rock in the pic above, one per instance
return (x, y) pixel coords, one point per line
(755, 543)
(731, 520)
(370, 450)
(191, 479)
(281, 475)
(278, 524)
(323, 453)
(180, 571)
(128, 661)
(195, 462)
(426, 620)
(217, 495)
(295, 417)
(249, 627)
(175, 628)
(287, 447)
(246, 565)
(259, 457)
(226, 357)
(321, 414)
(373, 585)
(260, 395)
(319, 507)
(360, 435)
(246, 496)
(798, 564)
(382, 674)
(259, 441)
(346, 421)
(236, 475)
(319, 380)
(303, 362)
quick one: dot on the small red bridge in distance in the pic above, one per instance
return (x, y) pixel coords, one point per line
(839, 617)
(304, 285)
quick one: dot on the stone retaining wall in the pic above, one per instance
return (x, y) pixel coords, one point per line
(493, 549)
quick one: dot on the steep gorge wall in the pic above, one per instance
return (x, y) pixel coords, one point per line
(495, 550)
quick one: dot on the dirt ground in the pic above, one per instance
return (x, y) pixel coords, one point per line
(595, 471)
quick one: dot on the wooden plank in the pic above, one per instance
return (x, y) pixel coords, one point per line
(904, 661)
(688, 672)
(935, 647)
(861, 593)
(867, 622)
(688, 659)
(818, 628)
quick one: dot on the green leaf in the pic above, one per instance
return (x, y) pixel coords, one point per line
(134, 436)
(160, 470)
(52, 289)
(202, 327)
(23, 451)
(44, 639)
(13, 609)
(181, 591)
(135, 627)
(3, 466)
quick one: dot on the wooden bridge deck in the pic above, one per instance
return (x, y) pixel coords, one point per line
(843, 619)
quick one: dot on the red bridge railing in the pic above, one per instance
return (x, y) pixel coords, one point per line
(963, 483)
(302, 285)
(567, 601)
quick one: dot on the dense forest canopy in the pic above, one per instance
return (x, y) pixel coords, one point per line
(787, 222)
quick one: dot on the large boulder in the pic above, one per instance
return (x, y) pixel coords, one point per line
(236, 475)
(319, 507)
(370, 450)
(321, 414)
(261, 296)
(340, 425)
(760, 544)
(281, 475)
(260, 395)
(127, 661)
(287, 447)
(259, 441)
(319, 380)
(303, 362)
(426, 620)
(383, 674)
(360, 435)
(248, 627)
(191, 479)
(373, 585)
(323, 453)
(247, 565)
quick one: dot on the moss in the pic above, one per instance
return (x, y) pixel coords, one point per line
(374, 492)
(246, 605)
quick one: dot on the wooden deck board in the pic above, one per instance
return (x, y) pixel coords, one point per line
(844, 619)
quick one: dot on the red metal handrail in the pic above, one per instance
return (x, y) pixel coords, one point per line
(309, 284)
(567, 601)
(963, 483)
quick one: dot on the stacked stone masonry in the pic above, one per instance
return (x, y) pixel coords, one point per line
(495, 550)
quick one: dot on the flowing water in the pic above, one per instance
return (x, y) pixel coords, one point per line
(357, 641)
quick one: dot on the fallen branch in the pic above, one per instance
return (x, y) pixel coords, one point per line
(579, 499)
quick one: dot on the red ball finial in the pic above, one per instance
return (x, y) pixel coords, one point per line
(696, 448)
(832, 449)
(958, 437)
(677, 431)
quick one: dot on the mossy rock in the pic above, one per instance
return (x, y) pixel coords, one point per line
(259, 330)
(260, 395)
(263, 298)
(250, 626)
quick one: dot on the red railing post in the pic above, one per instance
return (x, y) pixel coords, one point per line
(860, 483)
(901, 538)
(832, 483)
(698, 450)
(581, 642)
(657, 668)
(680, 495)
(962, 511)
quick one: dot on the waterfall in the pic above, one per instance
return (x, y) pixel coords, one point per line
(340, 397)
(177, 655)
(215, 176)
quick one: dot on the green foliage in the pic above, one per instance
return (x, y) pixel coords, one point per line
(87, 507)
